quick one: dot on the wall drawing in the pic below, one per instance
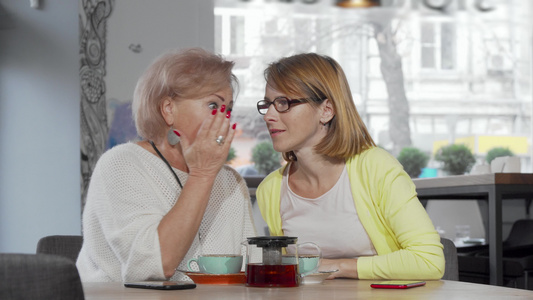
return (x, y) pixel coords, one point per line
(93, 122)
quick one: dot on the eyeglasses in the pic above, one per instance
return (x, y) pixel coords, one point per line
(281, 104)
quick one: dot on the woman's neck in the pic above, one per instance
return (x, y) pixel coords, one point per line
(314, 174)
(171, 153)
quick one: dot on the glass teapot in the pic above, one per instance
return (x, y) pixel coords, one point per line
(273, 261)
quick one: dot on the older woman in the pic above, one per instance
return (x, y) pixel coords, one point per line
(338, 189)
(155, 203)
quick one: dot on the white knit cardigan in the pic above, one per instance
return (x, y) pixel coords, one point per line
(130, 191)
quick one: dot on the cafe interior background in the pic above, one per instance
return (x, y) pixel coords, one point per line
(423, 74)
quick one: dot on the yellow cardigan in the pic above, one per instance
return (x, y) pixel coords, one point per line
(385, 198)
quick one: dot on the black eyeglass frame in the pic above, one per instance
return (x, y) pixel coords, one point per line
(290, 102)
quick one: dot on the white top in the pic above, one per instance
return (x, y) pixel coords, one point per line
(330, 221)
(130, 191)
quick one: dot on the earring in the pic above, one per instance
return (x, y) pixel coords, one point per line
(173, 136)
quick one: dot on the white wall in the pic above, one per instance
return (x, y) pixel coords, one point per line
(40, 99)
(157, 26)
(39, 124)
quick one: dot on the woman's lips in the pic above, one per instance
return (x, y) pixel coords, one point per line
(275, 132)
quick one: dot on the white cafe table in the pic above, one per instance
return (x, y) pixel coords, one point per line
(330, 289)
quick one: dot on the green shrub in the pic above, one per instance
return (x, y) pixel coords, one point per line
(231, 155)
(266, 159)
(498, 152)
(413, 160)
(457, 159)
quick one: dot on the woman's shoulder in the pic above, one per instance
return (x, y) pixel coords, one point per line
(373, 154)
(228, 176)
(375, 158)
(128, 148)
(121, 152)
(273, 179)
(229, 172)
(376, 152)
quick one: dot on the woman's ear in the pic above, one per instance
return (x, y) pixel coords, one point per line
(327, 112)
(167, 110)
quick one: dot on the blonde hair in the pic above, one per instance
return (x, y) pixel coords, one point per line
(319, 77)
(180, 74)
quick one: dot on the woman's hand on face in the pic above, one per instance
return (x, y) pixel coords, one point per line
(205, 156)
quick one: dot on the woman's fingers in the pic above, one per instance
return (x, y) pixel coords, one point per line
(209, 151)
(216, 125)
(222, 122)
(230, 134)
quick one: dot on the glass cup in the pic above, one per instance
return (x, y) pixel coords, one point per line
(462, 233)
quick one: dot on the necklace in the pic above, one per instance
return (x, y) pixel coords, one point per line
(166, 162)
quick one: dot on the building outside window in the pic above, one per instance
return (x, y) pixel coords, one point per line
(467, 72)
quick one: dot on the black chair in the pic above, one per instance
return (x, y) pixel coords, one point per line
(64, 245)
(451, 269)
(517, 258)
(39, 276)
(253, 181)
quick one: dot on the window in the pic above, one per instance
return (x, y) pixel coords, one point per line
(438, 45)
(237, 35)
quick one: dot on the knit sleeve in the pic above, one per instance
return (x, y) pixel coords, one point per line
(229, 215)
(124, 200)
(249, 229)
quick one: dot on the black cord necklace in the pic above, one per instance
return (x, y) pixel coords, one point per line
(169, 166)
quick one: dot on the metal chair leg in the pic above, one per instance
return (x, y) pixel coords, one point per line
(526, 279)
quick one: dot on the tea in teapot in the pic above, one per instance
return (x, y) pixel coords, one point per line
(267, 264)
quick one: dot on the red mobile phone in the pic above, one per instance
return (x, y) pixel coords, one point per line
(161, 285)
(397, 284)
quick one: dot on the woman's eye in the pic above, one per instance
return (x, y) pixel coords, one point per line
(283, 102)
(213, 105)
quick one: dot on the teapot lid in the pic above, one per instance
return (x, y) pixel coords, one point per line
(272, 241)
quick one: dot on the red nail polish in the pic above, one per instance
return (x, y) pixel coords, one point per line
(222, 108)
(177, 133)
(214, 112)
(234, 126)
(228, 115)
